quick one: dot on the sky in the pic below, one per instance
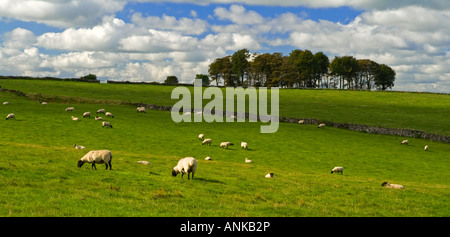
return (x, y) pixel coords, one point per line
(148, 40)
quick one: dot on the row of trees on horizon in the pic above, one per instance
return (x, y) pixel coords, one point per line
(300, 69)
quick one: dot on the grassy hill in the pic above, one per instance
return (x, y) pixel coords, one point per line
(39, 177)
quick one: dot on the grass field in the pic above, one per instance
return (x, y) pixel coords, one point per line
(39, 177)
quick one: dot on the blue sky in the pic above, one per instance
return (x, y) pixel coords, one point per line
(148, 40)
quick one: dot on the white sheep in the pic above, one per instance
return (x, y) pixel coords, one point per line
(143, 162)
(187, 165)
(225, 144)
(78, 147)
(208, 158)
(244, 145)
(99, 157)
(394, 186)
(301, 121)
(43, 103)
(106, 124)
(141, 109)
(338, 170)
(87, 114)
(269, 175)
(6, 103)
(100, 111)
(201, 136)
(10, 116)
(322, 125)
(98, 118)
(109, 114)
(425, 148)
(404, 142)
(206, 141)
(70, 109)
(75, 118)
(248, 161)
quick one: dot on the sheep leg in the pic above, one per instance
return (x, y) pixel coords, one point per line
(93, 166)
(110, 165)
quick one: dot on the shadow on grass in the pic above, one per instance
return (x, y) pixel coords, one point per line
(209, 180)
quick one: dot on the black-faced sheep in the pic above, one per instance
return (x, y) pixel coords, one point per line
(70, 109)
(10, 116)
(225, 144)
(244, 145)
(394, 186)
(87, 114)
(100, 111)
(109, 114)
(404, 142)
(201, 136)
(247, 160)
(269, 175)
(322, 125)
(425, 148)
(140, 109)
(206, 141)
(96, 157)
(75, 118)
(98, 118)
(338, 170)
(187, 165)
(106, 124)
(78, 147)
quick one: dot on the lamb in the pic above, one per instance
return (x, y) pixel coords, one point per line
(106, 124)
(187, 165)
(78, 147)
(75, 118)
(98, 156)
(141, 109)
(425, 148)
(109, 114)
(10, 116)
(322, 125)
(269, 175)
(244, 145)
(404, 142)
(338, 170)
(87, 114)
(98, 118)
(206, 141)
(101, 111)
(248, 161)
(394, 186)
(70, 109)
(201, 136)
(225, 144)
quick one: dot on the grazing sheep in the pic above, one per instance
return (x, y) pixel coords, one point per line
(244, 145)
(106, 124)
(225, 144)
(141, 109)
(78, 147)
(10, 116)
(87, 114)
(143, 162)
(425, 148)
(6, 103)
(187, 165)
(322, 125)
(99, 157)
(338, 170)
(208, 158)
(248, 161)
(206, 141)
(404, 142)
(109, 114)
(269, 175)
(98, 118)
(100, 111)
(75, 118)
(301, 121)
(43, 103)
(70, 109)
(201, 136)
(394, 186)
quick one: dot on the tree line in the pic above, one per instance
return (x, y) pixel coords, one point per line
(299, 69)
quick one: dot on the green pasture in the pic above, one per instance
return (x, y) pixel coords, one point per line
(39, 176)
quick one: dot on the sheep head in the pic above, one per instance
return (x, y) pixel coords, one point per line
(80, 163)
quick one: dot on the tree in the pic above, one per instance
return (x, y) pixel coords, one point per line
(346, 68)
(171, 80)
(240, 64)
(204, 78)
(384, 77)
(321, 64)
(89, 77)
(215, 70)
(367, 70)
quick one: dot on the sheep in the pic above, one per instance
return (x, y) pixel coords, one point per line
(78, 147)
(301, 121)
(10, 116)
(201, 136)
(206, 141)
(100, 111)
(404, 142)
(98, 118)
(248, 161)
(225, 144)
(394, 186)
(98, 156)
(208, 158)
(322, 125)
(75, 118)
(338, 170)
(87, 114)
(6, 103)
(244, 145)
(187, 165)
(143, 162)
(109, 114)
(269, 175)
(425, 148)
(106, 124)
(70, 109)
(43, 103)
(141, 109)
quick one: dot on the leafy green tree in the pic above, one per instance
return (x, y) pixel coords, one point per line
(240, 64)
(171, 80)
(89, 77)
(204, 78)
(215, 70)
(384, 77)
